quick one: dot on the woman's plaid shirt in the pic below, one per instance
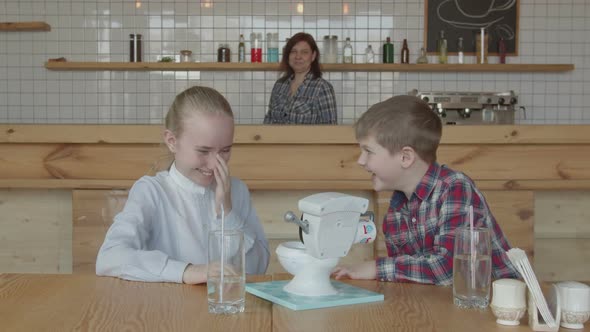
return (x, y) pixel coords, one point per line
(313, 103)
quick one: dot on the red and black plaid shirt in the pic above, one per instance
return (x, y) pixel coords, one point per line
(419, 232)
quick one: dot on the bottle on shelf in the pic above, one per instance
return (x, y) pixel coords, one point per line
(135, 51)
(369, 55)
(330, 54)
(460, 54)
(255, 47)
(442, 48)
(388, 51)
(502, 50)
(405, 52)
(347, 52)
(272, 47)
(481, 46)
(242, 49)
(422, 59)
(223, 53)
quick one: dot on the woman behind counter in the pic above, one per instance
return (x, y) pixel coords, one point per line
(301, 95)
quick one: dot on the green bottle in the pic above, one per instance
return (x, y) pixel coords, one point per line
(388, 51)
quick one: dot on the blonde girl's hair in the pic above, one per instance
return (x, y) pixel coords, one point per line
(402, 121)
(197, 99)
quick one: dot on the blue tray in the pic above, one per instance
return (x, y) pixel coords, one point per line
(347, 294)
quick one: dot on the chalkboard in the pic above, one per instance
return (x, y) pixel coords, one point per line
(465, 18)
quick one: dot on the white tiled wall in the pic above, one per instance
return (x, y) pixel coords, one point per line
(551, 31)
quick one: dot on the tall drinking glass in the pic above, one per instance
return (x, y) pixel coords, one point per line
(226, 274)
(472, 267)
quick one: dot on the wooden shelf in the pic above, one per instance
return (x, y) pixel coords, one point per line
(365, 67)
(24, 26)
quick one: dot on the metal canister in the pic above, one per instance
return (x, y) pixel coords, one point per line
(135, 49)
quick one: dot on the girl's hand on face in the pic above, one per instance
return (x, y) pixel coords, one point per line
(222, 187)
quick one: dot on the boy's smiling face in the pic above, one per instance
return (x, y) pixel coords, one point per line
(386, 168)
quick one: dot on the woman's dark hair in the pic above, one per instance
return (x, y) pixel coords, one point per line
(315, 65)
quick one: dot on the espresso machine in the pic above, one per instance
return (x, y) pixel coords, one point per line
(476, 108)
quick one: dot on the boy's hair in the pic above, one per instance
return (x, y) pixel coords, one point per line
(197, 99)
(402, 121)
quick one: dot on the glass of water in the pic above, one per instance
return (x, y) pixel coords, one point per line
(226, 275)
(472, 267)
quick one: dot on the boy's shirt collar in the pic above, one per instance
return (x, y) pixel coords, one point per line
(184, 182)
(423, 189)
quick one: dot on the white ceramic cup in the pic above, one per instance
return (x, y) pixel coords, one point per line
(509, 293)
(575, 304)
(508, 301)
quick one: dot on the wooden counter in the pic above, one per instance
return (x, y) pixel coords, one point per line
(535, 178)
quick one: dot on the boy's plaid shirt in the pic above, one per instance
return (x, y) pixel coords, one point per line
(419, 232)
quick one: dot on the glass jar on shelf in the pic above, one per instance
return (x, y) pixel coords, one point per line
(186, 56)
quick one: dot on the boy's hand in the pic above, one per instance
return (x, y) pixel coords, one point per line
(222, 186)
(365, 270)
(195, 274)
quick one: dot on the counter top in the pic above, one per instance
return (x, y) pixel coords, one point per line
(273, 134)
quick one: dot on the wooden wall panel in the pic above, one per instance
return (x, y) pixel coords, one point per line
(522, 162)
(562, 233)
(562, 259)
(566, 214)
(292, 162)
(35, 231)
(93, 212)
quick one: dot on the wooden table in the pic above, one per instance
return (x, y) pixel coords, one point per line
(30, 302)
(407, 307)
(85, 302)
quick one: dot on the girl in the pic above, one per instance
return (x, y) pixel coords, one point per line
(161, 234)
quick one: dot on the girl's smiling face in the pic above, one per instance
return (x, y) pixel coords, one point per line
(204, 136)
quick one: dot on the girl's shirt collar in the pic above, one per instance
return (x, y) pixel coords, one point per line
(184, 182)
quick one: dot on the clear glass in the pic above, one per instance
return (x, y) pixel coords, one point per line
(347, 52)
(472, 274)
(369, 55)
(226, 274)
(423, 58)
(186, 56)
(442, 48)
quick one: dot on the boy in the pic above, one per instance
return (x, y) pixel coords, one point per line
(398, 140)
